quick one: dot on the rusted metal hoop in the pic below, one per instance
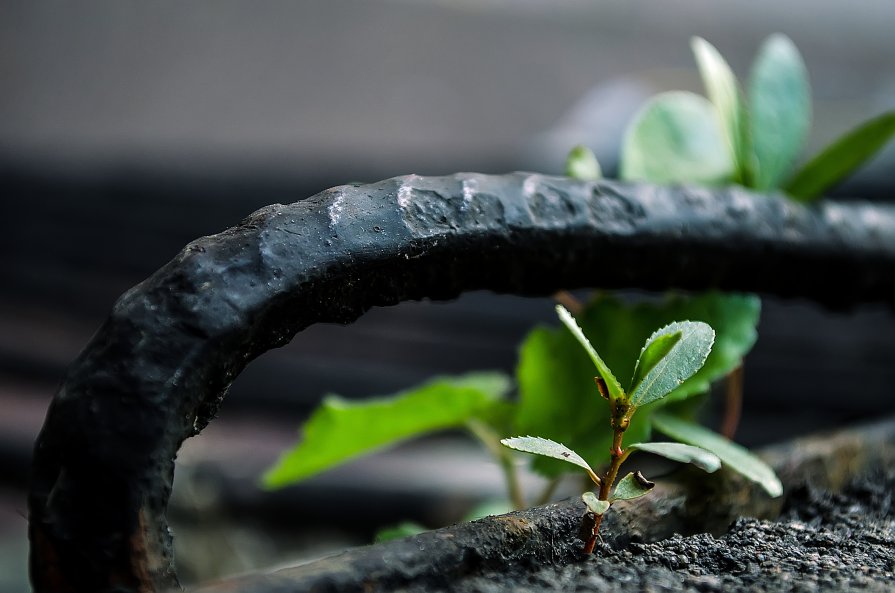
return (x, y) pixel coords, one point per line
(158, 368)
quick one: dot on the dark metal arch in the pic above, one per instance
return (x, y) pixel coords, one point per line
(160, 365)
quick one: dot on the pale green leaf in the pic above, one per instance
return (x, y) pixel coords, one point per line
(548, 448)
(676, 138)
(630, 487)
(686, 356)
(340, 430)
(780, 110)
(582, 164)
(594, 504)
(612, 384)
(732, 455)
(841, 158)
(698, 456)
(724, 93)
(557, 396)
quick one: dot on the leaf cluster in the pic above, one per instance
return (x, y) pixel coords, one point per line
(556, 392)
(670, 356)
(752, 136)
(554, 374)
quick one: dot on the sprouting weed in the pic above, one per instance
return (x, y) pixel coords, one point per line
(669, 357)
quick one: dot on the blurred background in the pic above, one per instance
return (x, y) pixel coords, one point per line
(128, 129)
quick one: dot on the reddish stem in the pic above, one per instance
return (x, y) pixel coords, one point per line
(733, 402)
(621, 417)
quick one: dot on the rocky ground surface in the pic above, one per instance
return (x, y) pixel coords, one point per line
(822, 542)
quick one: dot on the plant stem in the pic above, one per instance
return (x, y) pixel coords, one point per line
(621, 418)
(733, 402)
(617, 454)
(486, 435)
(512, 480)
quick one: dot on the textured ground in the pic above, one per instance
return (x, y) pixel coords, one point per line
(821, 543)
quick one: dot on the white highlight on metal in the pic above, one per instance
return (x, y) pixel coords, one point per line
(404, 194)
(335, 209)
(530, 185)
(470, 187)
(874, 220)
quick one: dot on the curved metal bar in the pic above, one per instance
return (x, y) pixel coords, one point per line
(158, 368)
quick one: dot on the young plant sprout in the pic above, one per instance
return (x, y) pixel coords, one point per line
(669, 357)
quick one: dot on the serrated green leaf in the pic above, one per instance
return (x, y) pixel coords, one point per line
(653, 351)
(676, 138)
(557, 397)
(548, 448)
(838, 160)
(681, 361)
(612, 384)
(780, 110)
(631, 487)
(594, 504)
(582, 164)
(341, 430)
(704, 460)
(724, 93)
(737, 458)
(734, 318)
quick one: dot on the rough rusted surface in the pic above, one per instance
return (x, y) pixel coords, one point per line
(156, 371)
(526, 544)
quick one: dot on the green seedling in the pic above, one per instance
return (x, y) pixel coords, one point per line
(669, 357)
(553, 397)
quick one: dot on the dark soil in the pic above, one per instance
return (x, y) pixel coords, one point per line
(822, 542)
